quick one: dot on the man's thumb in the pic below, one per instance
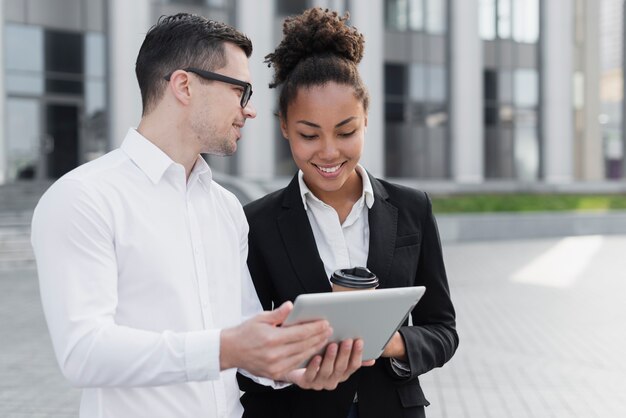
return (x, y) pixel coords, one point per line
(278, 315)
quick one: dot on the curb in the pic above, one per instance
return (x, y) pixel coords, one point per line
(512, 226)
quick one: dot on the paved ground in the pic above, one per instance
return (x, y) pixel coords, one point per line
(541, 325)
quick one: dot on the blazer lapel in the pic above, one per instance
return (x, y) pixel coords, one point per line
(299, 242)
(383, 223)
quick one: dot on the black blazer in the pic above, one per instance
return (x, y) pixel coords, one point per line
(404, 250)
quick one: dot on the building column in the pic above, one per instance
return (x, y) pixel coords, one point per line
(127, 25)
(466, 93)
(367, 17)
(556, 90)
(3, 97)
(256, 150)
(592, 147)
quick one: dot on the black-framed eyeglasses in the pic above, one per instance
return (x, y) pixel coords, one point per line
(247, 87)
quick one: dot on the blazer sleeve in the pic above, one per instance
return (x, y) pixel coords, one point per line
(432, 339)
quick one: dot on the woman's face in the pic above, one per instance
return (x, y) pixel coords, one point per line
(325, 127)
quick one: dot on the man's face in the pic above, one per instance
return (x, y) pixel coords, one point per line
(217, 116)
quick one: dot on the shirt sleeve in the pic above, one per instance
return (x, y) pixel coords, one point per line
(74, 245)
(250, 304)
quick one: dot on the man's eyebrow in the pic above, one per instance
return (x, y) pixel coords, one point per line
(315, 125)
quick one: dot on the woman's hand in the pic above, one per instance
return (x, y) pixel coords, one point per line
(395, 348)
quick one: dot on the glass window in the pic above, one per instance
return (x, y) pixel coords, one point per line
(490, 85)
(416, 15)
(62, 86)
(526, 20)
(291, 7)
(526, 87)
(95, 52)
(579, 90)
(64, 52)
(396, 12)
(21, 83)
(23, 135)
(504, 19)
(417, 82)
(436, 83)
(436, 16)
(23, 48)
(394, 111)
(395, 80)
(487, 20)
(505, 86)
(526, 145)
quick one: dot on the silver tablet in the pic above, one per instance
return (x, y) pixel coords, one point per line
(372, 315)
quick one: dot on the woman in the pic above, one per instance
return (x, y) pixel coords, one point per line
(335, 215)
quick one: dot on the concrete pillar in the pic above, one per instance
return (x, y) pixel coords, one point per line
(367, 17)
(3, 154)
(592, 147)
(127, 25)
(556, 90)
(466, 93)
(256, 151)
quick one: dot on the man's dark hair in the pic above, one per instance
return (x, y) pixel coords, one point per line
(180, 41)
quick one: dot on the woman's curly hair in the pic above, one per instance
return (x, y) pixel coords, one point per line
(318, 47)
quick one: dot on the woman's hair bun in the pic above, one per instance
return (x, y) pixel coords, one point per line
(316, 31)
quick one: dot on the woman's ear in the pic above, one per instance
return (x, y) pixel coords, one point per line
(283, 127)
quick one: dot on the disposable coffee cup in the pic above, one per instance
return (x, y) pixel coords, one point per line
(357, 278)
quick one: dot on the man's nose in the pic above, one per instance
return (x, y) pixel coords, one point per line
(249, 111)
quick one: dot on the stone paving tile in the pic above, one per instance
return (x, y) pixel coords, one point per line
(532, 350)
(527, 349)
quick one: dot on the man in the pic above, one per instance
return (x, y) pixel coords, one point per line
(142, 256)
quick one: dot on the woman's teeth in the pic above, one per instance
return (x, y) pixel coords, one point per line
(329, 169)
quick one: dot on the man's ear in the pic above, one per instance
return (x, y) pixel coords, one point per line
(179, 85)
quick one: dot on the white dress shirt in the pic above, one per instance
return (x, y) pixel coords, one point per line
(340, 245)
(343, 245)
(139, 270)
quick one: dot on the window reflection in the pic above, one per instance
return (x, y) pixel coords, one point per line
(417, 15)
(23, 48)
(63, 52)
(23, 134)
(487, 19)
(291, 7)
(24, 83)
(436, 16)
(526, 20)
(526, 86)
(504, 19)
(95, 54)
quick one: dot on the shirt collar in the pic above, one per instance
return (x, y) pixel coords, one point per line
(154, 162)
(368, 191)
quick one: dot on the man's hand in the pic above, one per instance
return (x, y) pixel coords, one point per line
(339, 362)
(264, 349)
